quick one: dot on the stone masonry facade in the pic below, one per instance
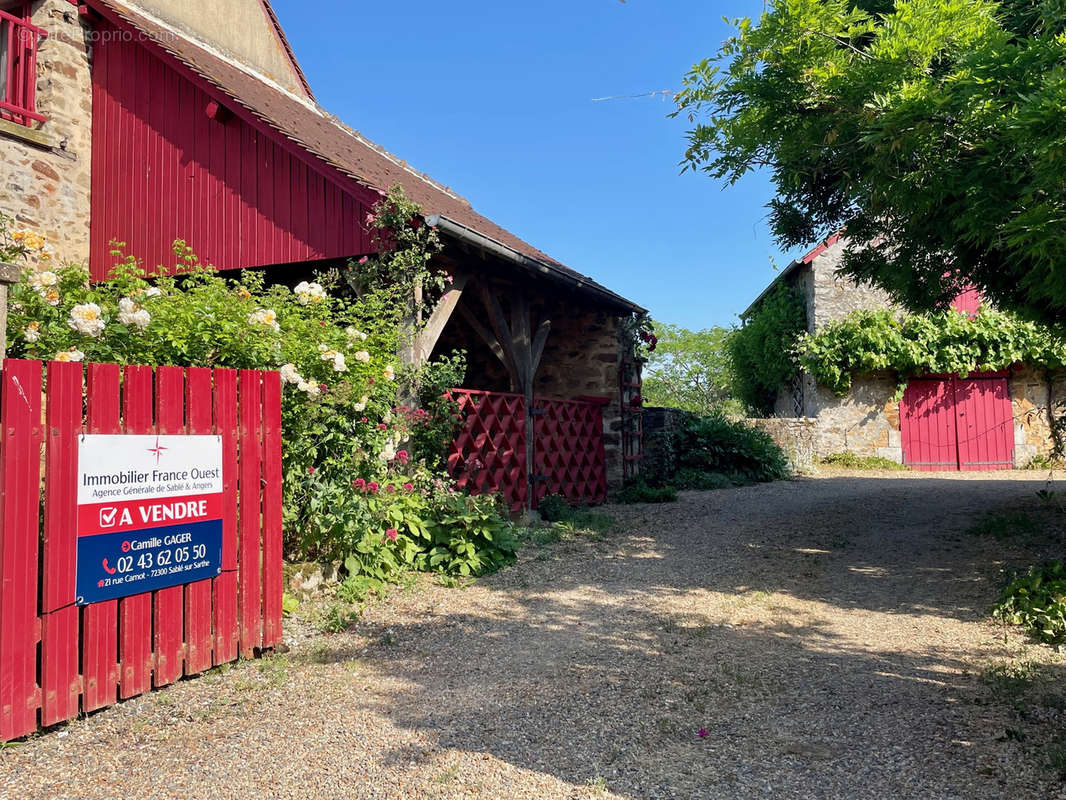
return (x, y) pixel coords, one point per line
(866, 422)
(45, 168)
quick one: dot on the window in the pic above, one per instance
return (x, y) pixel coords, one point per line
(18, 64)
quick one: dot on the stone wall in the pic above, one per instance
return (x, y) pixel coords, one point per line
(1036, 398)
(865, 422)
(44, 169)
(831, 297)
(798, 438)
(660, 426)
(582, 358)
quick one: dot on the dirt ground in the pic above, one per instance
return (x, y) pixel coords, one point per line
(828, 637)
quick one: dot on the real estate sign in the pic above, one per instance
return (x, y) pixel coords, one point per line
(149, 513)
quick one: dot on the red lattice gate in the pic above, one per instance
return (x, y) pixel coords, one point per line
(58, 658)
(490, 452)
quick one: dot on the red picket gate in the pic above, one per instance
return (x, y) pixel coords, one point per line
(122, 648)
(489, 453)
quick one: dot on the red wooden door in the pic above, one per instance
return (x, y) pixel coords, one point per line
(950, 423)
(985, 425)
(927, 425)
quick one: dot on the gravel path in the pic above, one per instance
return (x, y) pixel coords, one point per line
(828, 634)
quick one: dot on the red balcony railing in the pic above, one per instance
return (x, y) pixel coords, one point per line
(18, 67)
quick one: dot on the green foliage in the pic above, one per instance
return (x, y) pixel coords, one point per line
(639, 492)
(357, 589)
(852, 461)
(1036, 600)
(761, 351)
(1006, 524)
(553, 508)
(337, 618)
(915, 344)
(469, 536)
(701, 480)
(715, 444)
(931, 129)
(355, 489)
(689, 370)
(289, 604)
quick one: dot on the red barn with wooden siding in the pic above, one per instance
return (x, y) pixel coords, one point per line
(165, 119)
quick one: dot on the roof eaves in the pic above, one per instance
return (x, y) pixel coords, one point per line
(535, 265)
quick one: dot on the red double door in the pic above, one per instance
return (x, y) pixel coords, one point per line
(953, 423)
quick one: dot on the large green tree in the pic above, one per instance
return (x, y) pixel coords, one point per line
(933, 130)
(689, 370)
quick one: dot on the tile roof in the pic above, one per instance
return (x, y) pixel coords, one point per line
(325, 136)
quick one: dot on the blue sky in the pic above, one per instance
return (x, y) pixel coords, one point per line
(496, 100)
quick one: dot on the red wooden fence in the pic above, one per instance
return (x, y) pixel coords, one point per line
(92, 655)
(489, 453)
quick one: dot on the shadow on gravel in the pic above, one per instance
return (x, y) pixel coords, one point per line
(593, 674)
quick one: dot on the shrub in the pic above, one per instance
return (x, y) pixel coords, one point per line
(688, 478)
(468, 536)
(639, 492)
(554, 508)
(715, 444)
(1036, 600)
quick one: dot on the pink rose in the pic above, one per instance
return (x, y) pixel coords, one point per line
(373, 487)
(392, 533)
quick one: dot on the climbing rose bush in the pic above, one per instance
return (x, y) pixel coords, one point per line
(357, 486)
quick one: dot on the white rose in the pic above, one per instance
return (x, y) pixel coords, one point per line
(361, 405)
(362, 356)
(289, 374)
(390, 373)
(338, 363)
(86, 319)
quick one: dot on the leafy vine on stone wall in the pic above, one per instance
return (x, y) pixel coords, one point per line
(762, 350)
(916, 344)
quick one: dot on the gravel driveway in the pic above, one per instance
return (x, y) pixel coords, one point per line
(827, 634)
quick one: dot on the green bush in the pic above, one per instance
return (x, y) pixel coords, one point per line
(715, 444)
(699, 480)
(639, 492)
(468, 536)
(1036, 600)
(554, 508)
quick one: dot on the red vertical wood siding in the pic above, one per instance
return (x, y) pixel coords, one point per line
(238, 193)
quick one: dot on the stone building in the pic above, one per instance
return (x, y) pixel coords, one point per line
(145, 121)
(942, 422)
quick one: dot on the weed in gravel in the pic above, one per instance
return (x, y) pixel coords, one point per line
(1005, 524)
(598, 785)
(338, 617)
(1011, 680)
(275, 669)
(852, 461)
(1056, 754)
(449, 775)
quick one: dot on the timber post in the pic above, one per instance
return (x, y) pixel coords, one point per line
(9, 274)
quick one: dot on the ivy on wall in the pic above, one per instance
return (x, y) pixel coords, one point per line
(763, 349)
(916, 344)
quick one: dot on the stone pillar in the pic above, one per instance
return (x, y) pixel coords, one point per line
(9, 274)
